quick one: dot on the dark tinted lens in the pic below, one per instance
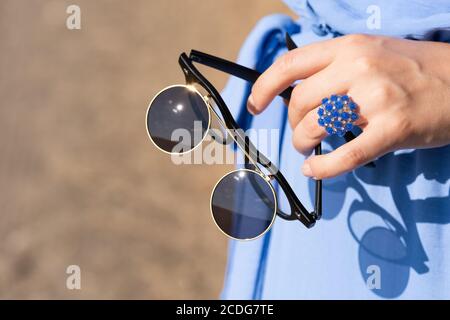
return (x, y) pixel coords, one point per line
(177, 119)
(243, 204)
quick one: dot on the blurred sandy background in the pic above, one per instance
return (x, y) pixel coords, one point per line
(79, 181)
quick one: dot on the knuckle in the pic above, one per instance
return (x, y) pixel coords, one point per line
(320, 172)
(286, 61)
(354, 157)
(259, 86)
(399, 127)
(357, 39)
(295, 109)
(385, 93)
(312, 129)
(292, 123)
(296, 98)
(292, 117)
(367, 63)
(298, 144)
(306, 136)
(382, 93)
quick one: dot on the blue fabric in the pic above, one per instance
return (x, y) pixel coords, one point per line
(394, 217)
(397, 18)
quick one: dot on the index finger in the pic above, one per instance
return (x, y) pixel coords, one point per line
(297, 64)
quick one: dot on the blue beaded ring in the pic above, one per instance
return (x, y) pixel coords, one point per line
(337, 114)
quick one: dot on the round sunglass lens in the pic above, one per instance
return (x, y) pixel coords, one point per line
(178, 119)
(243, 204)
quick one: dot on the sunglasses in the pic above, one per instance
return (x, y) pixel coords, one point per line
(243, 202)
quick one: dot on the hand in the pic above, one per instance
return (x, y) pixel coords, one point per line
(402, 88)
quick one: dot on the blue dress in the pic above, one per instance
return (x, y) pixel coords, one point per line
(385, 232)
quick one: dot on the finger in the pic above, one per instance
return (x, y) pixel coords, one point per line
(370, 95)
(309, 93)
(307, 134)
(293, 65)
(373, 142)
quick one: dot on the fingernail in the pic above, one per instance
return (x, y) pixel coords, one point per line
(251, 105)
(306, 169)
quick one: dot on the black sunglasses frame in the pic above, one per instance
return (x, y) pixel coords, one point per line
(193, 75)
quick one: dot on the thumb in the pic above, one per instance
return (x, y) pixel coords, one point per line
(366, 147)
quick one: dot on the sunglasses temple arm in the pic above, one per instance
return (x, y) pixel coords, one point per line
(231, 68)
(318, 194)
(297, 208)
